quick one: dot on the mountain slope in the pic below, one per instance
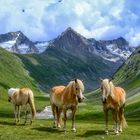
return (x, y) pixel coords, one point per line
(130, 70)
(55, 66)
(13, 73)
(17, 42)
(68, 56)
(117, 50)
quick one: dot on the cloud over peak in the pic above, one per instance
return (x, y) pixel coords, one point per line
(44, 20)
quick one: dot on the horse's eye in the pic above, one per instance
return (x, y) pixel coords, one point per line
(76, 88)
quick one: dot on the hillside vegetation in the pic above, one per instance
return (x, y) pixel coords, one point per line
(14, 74)
(129, 72)
(55, 67)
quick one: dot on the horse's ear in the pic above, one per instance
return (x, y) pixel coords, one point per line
(101, 79)
(109, 80)
(75, 80)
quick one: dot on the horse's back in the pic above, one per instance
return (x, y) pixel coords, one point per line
(120, 94)
(56, 93)
(22, 97)
(58, 89)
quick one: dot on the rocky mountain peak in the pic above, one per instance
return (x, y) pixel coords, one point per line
(17, 42)
(71, 41)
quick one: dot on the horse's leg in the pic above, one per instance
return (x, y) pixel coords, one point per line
(116, 120)
(18, 113)
(106, 120)
(59, 118)
(120, 120)
(73, 119)
(54, 115)
(15, 112)
(65, 118)
(121, 115)
(113, 116)
(58, 112)
(26, 115)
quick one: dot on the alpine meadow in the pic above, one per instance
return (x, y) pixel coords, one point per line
(69, 70)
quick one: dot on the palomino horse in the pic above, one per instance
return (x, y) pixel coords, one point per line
(67, 97)
(113, 98)
(21, 97)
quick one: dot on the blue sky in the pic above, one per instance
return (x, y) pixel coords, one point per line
(46, 19)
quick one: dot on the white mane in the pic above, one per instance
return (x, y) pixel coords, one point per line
(81, 86)
(11, 91)
(109, 86)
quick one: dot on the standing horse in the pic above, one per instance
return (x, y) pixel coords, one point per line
(67, 97)
(21, 97)
(113, 98)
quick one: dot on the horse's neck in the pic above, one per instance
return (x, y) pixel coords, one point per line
(69, 92)
(112, 88)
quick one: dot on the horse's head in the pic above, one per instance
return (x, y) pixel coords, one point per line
(11, 91)
(79, 89)
(106, 89)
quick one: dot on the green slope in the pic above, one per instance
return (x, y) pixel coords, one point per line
(14, 74)
(129, 72)
(56, 66)
(128, 76)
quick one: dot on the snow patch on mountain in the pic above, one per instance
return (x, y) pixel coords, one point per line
(41, 46)
(125, 53)
(23, 49)
(8, 44)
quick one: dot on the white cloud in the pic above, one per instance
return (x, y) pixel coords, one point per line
(45, 19)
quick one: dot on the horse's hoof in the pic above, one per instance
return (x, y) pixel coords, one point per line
(106, 132)
(120, 130)
(59, 126)
(116, 133)
(73, 129)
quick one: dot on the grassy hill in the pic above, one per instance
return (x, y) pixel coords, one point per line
(14, 74)
(129, 72)
(128, 76)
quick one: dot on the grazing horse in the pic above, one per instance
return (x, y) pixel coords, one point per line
(21, 97)
(67, 97)
(113, 98)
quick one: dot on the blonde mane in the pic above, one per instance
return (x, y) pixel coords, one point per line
(11, 91)
(80, 83)
(109, 87)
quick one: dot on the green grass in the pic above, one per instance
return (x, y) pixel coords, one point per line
(89, 122)
(89, 119)
(89, 125)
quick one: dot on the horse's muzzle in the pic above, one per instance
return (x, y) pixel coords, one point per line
(103, 100)
(80, 99)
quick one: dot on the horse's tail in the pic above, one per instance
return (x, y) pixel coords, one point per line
(124, 123)
(123, 120)
(32, 104)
